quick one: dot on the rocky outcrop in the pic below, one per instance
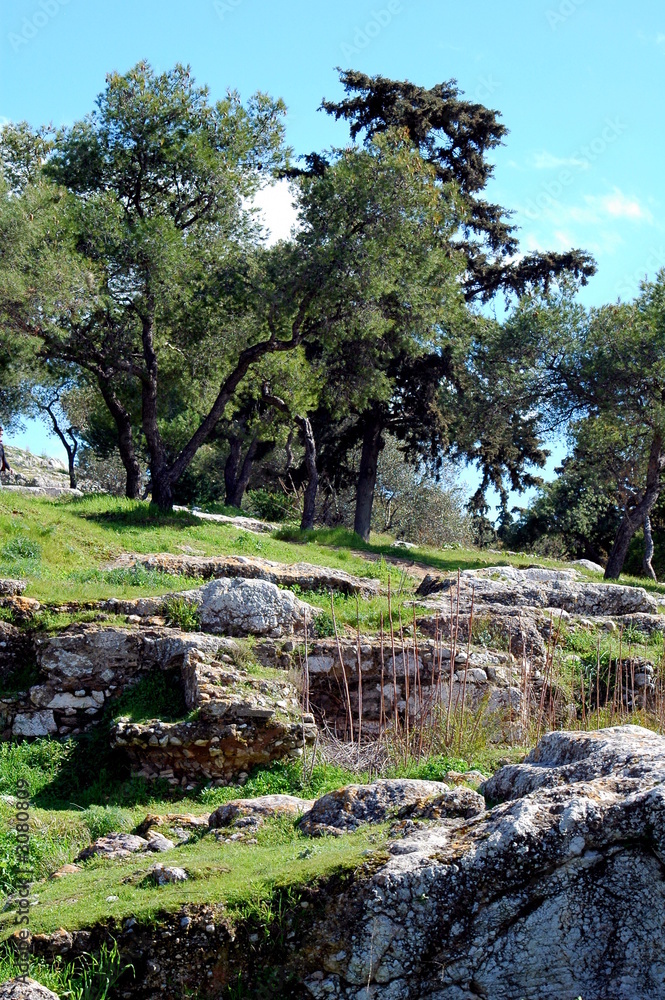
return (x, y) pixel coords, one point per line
(304, 575)
(251, 607)
(252, 812)
(349, 808)
(166, 875)
(239, 521)
(588, 564)
(541, 588)
(12, 588)
(121, 845)
(178, 826)
(558, 891)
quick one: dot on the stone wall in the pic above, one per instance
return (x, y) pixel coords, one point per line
(417, 674)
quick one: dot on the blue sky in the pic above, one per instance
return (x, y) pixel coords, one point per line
(580, 85)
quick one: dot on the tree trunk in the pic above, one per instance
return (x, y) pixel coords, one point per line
(123, 424)
(309, 503)
(71, 456)
(236, 482)
(369, 460)
(289, 451)
(648, 549)
(162, 481)
(231, 470)
(634, 517)
(162, 490)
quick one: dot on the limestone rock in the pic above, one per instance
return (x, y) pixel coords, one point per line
(252, 812)
(348, 808)
(593, 567)
(524, 900)
(158, 842)
(164, 875)
(12, 588)
(624, 758)
(547, 588)
(454, 803)
(234, 607)
(306, 575)
(244, 523)
(251, 607)
(35, 724)
(68, 869)
(121, 845)
(22, 609)
(25, 989)
(178, 825)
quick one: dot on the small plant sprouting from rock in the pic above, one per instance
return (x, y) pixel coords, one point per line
(182, 613)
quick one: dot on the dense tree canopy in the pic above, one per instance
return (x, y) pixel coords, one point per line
(132, 268)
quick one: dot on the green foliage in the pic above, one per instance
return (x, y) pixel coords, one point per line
(38, 763)
(130, 576)
(21, 547)
(323, 625)
(157, 696)
(271, 505)
(182, 613)
(283, 778)
(102, 820)
(91, 977)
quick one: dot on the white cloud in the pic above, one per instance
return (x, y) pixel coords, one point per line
(620, 206)
(276, 212)
(548, 161)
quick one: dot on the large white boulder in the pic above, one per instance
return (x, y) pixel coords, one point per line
(250, 607)
(558, 891)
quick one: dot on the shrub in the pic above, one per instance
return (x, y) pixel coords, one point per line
(272, 505)
(323, 625)
(182, 613)
(102, 820)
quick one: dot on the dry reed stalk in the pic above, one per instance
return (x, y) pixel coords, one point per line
(583, 687)
(382, 709)
(618, 678)
(541, 703)
(347, 693)
(392, 647)
(438, 644)
(466, 669)
(418, 715)
(306, 684)
(530, 691)
(598, 684)
(407, 689)
(453, 654)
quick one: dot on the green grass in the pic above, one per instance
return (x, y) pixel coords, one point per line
(63, 549)
(240, 876)
(91, 978)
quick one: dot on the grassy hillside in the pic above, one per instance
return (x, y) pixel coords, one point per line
(63, 548)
